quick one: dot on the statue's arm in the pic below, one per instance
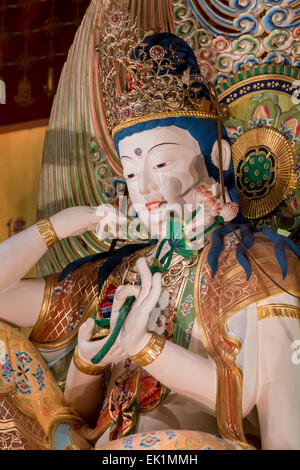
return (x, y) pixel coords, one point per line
(21, 304)
(18, 255)
(21, 299)
(279, 384)
(85, 393)
(186, 373)
(181, 370)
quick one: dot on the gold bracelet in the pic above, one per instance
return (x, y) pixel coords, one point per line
(150, 352)
(85, 367)
(47, 232)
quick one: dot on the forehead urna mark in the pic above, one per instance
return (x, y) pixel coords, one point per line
(138, 152)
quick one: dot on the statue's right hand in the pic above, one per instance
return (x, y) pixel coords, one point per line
(77, 220)
(88, 349)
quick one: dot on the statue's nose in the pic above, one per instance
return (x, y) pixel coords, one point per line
(148, 181)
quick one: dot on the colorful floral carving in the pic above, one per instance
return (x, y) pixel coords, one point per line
(230, 37)
(149, 441)
(187, 305)
(23, 387)
(188, 331)
(192, 276)
(24, 358)
(172, 440)
(7, 369)
(261, 110)
(22, 372)
(128, 442)
(204, 285)
(39, 375)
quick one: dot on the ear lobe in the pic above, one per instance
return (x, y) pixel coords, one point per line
(226, 154)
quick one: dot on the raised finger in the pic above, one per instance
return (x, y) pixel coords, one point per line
(119, 298)
(125, 291)
(152, 299)
(146, 279)
(85, 330)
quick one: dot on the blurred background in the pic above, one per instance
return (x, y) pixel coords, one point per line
(35, 37)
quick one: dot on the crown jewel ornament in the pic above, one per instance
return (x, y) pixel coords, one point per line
(138, 82)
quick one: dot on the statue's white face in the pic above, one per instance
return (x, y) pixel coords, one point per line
(161, 166)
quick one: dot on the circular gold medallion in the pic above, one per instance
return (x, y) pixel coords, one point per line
(263, 165)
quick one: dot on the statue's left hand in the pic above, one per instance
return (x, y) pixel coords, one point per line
(80, 219)
(134, 334)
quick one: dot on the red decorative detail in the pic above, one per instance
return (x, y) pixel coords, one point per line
(150, 392)
(261, 112)
(232, 131)
(107, 300)
(111, 292)
(118, 408)
(115, 19)
(292, 124)
(220, 44)
(127, 113)
(131, 83)
(294, 205)
(296, 32)
(157, 52)
(106, 304)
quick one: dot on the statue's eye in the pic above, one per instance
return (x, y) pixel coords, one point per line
(161, 165)
(131, 175)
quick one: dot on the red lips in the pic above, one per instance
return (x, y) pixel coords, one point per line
(154, 205)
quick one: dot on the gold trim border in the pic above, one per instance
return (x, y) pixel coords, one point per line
(53, 347)
(14, 424)
(249, 80)
(259, 207)
(49, 282)
(152, 116)
(56, 421)
(221, 372)
(235, 370)
(278, 310)
(127, 410)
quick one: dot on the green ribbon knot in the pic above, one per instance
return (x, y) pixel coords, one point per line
(177, 245)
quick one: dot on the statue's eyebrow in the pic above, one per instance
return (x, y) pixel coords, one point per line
(163, 143)
(157, 145)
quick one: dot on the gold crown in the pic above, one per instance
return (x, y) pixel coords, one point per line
(138, 84)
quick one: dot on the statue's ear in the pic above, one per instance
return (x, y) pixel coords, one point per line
(226, 154)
